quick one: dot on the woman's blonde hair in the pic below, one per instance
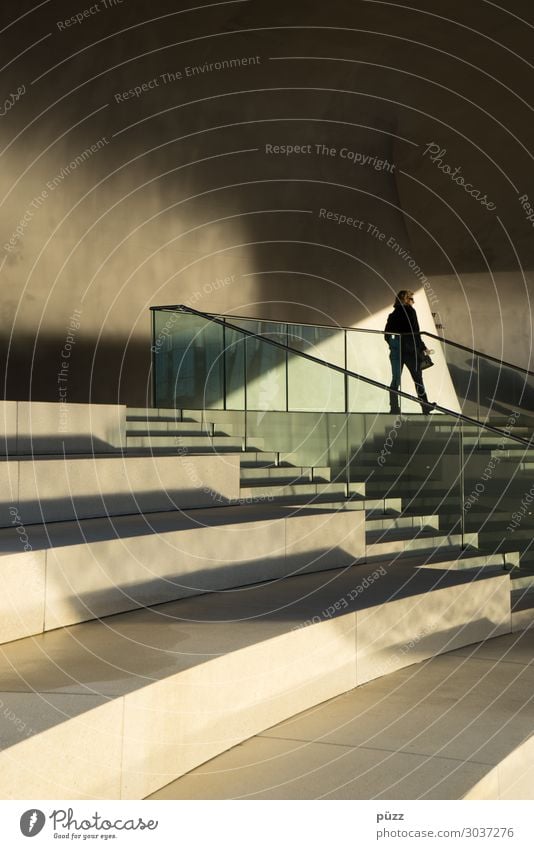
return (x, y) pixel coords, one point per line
(399, 300)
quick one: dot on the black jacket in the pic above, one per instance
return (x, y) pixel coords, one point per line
(403, 320)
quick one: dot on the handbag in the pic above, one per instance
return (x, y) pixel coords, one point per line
(425, 362)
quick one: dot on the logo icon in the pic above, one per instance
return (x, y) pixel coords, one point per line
(32, 822)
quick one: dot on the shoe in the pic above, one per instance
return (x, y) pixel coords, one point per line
(429, 408)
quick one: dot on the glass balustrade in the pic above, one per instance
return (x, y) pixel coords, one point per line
(216, 362)
(498, 493)
(189, 368)
(409, 462)
(486, 388)
(211, 363)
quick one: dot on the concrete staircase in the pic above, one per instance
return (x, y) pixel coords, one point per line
(423, 471)
(155, 567)
(400, 490)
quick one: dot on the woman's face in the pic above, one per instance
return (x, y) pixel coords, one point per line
(408, 299)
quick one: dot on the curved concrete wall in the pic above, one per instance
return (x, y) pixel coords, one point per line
(147, 159)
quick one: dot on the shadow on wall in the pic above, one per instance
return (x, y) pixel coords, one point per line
(104, 371)
(224, 152)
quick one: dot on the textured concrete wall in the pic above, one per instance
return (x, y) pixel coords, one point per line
(138, 145)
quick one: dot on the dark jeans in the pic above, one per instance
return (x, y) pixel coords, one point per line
(409, 359)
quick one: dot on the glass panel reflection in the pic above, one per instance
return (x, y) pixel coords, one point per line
(266, 368)
(188, 357)
(498, 492)
(312, 386)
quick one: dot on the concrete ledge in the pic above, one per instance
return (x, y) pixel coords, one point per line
(64, 745)
(8, 427)
(522, 620)
(425, 627)
(39, 427)
(22, 594)
(512, 778)
(52, 490)
(458, 726)
(101, 567)
(213, 707)
(206, 674)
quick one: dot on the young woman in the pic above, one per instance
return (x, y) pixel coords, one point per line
(403, 336)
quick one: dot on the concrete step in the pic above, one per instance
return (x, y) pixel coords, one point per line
(478, 518)
(172, 428)
(253, 459)
(499, 525)
(522, 598)
(455, 558)
(266, 472)
(157, 425)
(299, 501)
(449, 504)
(491, 441)
(480, 460)
(434, 491)
(408, 540)
(376, 506)
(527, 558)
(167, 413)
(408, 446)
(70, 488)
(268, 653)
(385, 479)
(154, 419)
(393, 469)
(390, 521)
(411, 457)
(234, 417)
(429, 437)
(179, 433)
(404, 459)
(522, 609)
(80, 570)
(492, 534)
(302, 489)
(293, 479)
(190, 442)
(522, 579)
(296, 458)
(40, 427)
(518, 430)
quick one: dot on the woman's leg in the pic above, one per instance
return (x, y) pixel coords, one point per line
(417, 378)
(396, 369)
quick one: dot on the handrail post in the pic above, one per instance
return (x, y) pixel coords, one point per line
(462, 484)
(287, 367)
(348, 456)
(399, 372)
(245, 393)
(153, 376)
(224, 364)
(478, 386)
(346, 361)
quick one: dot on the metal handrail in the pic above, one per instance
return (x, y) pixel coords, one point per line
(472, 351)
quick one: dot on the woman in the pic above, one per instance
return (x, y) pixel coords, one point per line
(405, 349)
